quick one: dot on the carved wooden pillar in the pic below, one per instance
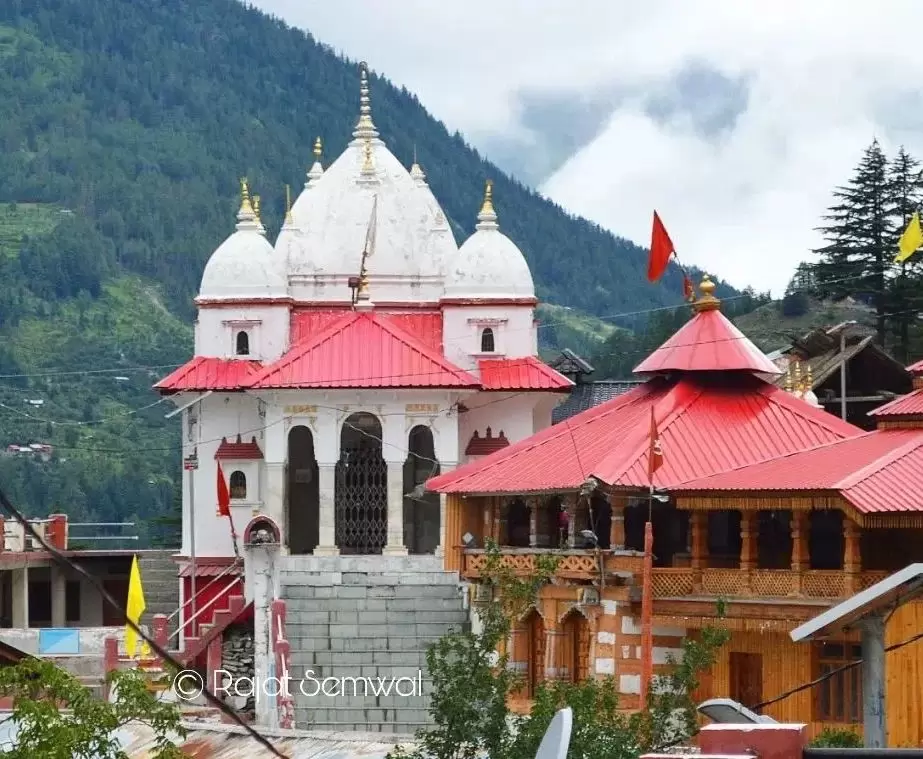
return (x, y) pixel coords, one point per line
(488, 519)
(748, 537)
(852, 561)
(800, 559)
(698, 521)
(617, 528)
(570, 504)
(533, 504)
(503, 513)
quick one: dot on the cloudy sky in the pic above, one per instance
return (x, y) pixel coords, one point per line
(734, 123)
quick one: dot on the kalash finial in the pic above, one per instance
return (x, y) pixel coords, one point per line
(707, 300)
(487, 218)
(318, 149)
(246, 209)
(365, 128)
(789, 382)
(288, 204)
(256, 214)
(799, 385)
(317, 170)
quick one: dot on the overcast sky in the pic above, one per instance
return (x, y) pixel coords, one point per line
(733, 119)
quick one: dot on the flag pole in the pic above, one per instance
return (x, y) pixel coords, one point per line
(647, 664)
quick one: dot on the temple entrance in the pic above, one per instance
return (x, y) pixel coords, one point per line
(421, 513)
(303, 493)
(361, 487)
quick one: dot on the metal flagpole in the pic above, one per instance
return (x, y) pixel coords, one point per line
(191, 464)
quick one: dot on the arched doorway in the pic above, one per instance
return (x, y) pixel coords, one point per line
(303, 494)
(421, 514)
(361, 487)
(574, 657)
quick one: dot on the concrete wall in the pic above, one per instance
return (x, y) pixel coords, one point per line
(266, 325)
(514, 330)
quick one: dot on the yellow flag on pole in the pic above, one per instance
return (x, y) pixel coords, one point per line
(134, 608)
(911, 240)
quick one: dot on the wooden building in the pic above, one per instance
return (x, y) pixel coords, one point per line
(775, 560)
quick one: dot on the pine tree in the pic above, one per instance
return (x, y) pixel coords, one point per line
(860, 231)
(905, 178)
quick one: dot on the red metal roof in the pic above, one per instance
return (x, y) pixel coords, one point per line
(877, 472)
(210, 570)
(708, 343)
(362, 350)
(526, 373)
(707, 424)
(907, 405)
(916, 368)
(206, 373)
(238, 450)
(425, 326)
(482, 446)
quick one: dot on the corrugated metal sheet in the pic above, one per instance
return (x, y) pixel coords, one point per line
(708, 343)
(916, 368)
(907, 405)
(707, 424)
(206, 373)
(425, 326)
(526, 373)
(362, 350)
(877, 471)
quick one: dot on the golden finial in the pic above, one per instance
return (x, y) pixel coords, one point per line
(808, 379)
(789, 384)
(288, 204)
(246, 209)
(256, 206)
(318, 149)
(707, 300)
(799, 386)
(367, 166)
(364, 127)
(488, 206)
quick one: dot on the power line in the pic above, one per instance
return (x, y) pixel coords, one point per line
(65, 562)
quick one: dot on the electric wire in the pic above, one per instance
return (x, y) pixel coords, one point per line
(65, 562)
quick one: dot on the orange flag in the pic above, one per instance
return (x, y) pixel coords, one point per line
(661, 250)
(655, 452)
(224, 497)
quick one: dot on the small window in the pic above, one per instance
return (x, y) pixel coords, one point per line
(238, 485)
(839, 697)
(243, 344)
(487, 340)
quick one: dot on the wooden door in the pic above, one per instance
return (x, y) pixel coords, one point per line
(117, 587)
(746, 675)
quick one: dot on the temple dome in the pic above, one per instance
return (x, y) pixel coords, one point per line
(243, 266)
(489, 265)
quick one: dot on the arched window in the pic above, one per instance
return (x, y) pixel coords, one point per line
(238, 486)
(487, 340)
(243, 344)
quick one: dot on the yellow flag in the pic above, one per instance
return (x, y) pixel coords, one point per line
(911, 240)
(134, 608)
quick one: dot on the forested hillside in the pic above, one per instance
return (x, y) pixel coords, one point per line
(125, 128)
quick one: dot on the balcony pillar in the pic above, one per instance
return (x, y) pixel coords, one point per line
(852, 561)
(698, 521)
(533, 504)
(488, 517)
(800, 559)
(617, 528)
(748, 536)
(570, 505)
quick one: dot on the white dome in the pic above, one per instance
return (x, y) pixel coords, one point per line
(412, 237)
(243, 266)
(488, 264)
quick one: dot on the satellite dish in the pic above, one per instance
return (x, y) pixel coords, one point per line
(557, 737)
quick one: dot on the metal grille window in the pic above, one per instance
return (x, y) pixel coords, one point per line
(839, 697)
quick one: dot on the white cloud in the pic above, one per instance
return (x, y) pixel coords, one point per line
(823, 78)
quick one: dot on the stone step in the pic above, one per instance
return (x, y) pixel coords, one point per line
(325, 579)
(358, 658)
(423, 603)
(359, 592)
(374, 564)
(318, 616)
(325, 643)
(295, 628)
(374, 719)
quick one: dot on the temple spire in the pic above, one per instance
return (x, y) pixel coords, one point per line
(256, 215)
(289, 220)
(317, 170)
(487, 218)
(365, 127)
(246, 215)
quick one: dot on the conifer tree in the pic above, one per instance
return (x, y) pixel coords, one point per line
(860, 232)
(905, 179)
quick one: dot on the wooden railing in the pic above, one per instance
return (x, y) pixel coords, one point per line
(573, 564)
(682, 582)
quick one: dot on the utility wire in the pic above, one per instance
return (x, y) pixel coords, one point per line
(64, 561)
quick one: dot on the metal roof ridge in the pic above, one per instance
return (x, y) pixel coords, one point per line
(776, 394)
(885, 460)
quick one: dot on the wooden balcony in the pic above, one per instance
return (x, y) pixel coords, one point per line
(573, 563)
(671, 582)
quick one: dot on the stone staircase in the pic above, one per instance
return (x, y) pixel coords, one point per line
(366, 616)
(161, 585)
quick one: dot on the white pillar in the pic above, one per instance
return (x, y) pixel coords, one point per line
(261, 576)
(395, 540)
(274, 497)
(21, 597)
(58, 597)
(326, 486)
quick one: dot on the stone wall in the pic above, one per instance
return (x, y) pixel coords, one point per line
(237, 658)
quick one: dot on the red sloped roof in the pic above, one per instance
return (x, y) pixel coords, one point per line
(205, 373)
(239, 450)
(907, 405)
(526, 373)
(425, 326)
(708, 343)
(362, 350)
(916, 368)
(481, 446)
(877, 472)
(706, 424)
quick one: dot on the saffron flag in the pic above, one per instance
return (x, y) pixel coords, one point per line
(224, 496)
(655, 452)
(911, 240)
(134, 608)
(661, 250)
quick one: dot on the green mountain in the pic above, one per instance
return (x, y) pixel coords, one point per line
(126, 125)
